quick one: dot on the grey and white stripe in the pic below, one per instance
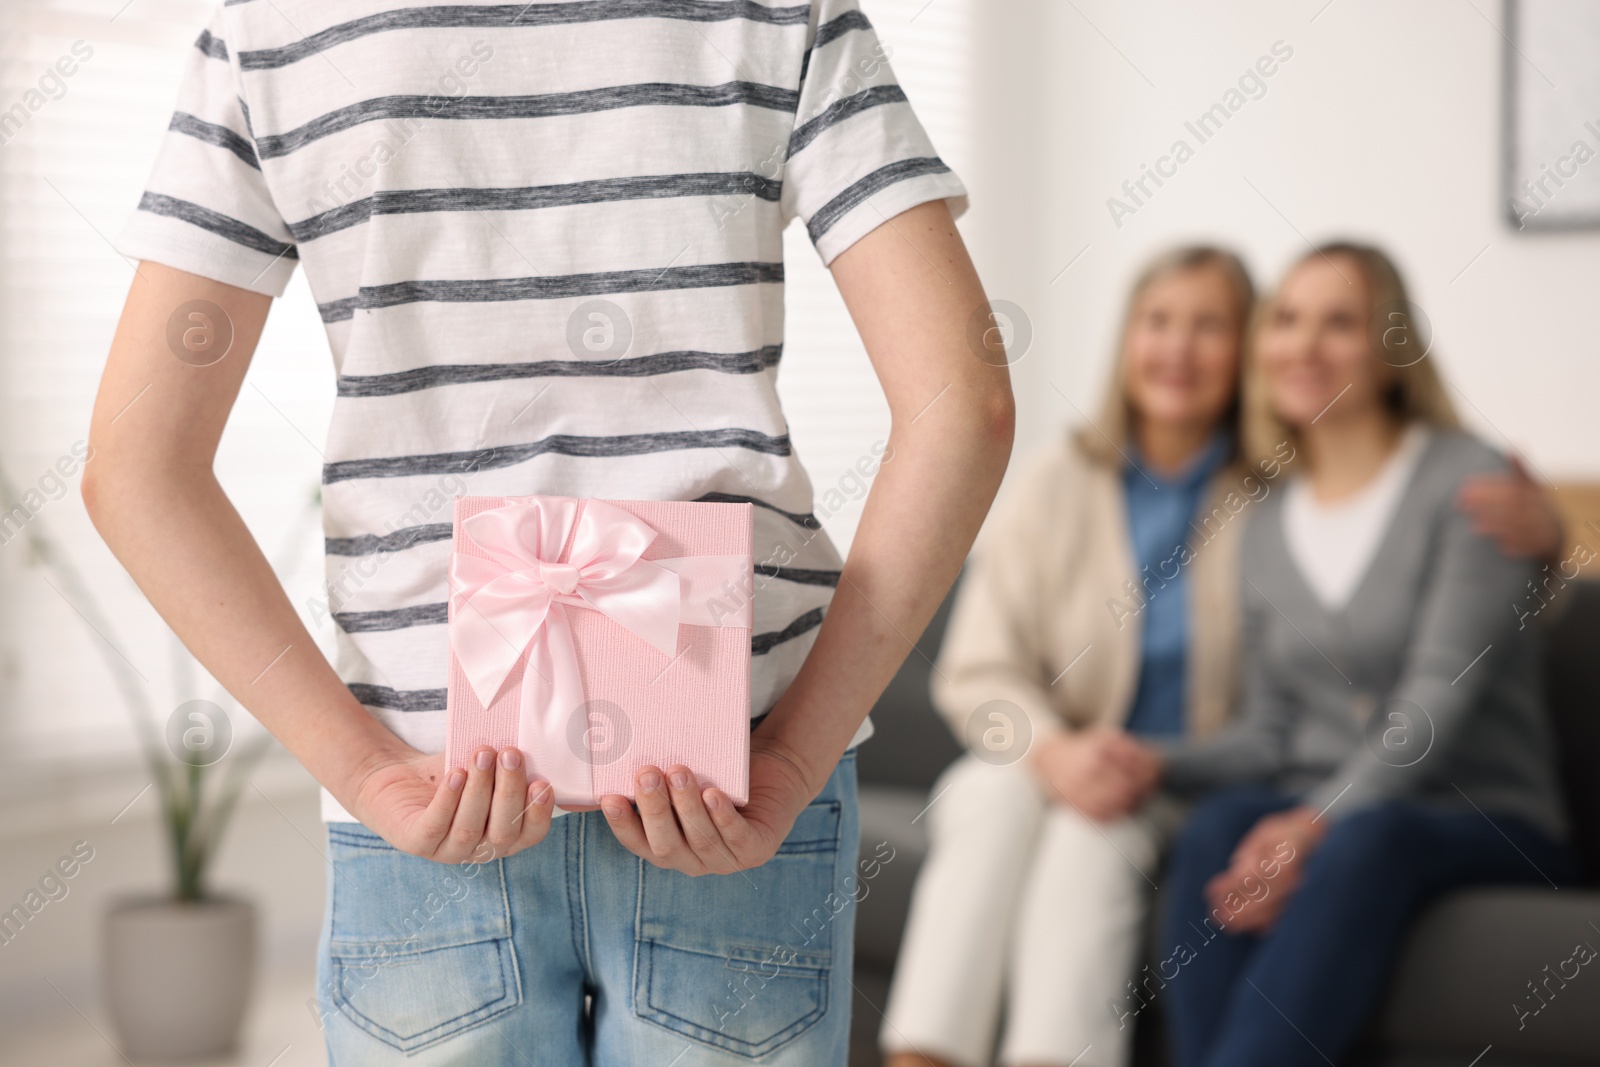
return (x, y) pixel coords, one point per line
(480, 459)
(397, 541)
(216, 222)
(841, 110)
(546, 105)
(532, 198)
(518, 16)
(828, 31)
(499, 290)
(443, 374)
(221, 136)
(869, 186)
(382, 696)
(212, 46)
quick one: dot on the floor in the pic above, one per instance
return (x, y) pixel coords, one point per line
(280, 1032)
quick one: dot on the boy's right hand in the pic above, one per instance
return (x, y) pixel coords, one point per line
(415, 805)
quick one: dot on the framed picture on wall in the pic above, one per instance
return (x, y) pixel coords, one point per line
(1550, 165)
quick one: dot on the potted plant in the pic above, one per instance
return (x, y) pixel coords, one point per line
(178, 965)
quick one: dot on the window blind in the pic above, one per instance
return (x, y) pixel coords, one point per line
(75, 151)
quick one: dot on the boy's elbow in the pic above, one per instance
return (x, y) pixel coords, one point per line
(1000, 417)
(92, 488)
(109, 478)
(89, 490)
(992, 420)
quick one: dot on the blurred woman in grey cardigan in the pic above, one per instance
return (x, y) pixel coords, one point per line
(1392, 745)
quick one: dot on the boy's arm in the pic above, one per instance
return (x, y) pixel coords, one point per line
(152, 494)
(912, 292)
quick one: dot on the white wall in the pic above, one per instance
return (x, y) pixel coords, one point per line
(1383, 125)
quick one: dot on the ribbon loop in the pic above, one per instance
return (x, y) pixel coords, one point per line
(512, 604)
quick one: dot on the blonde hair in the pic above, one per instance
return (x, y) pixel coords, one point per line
(1107, 438)
(1416, 392)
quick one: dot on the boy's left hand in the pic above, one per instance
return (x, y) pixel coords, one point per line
(680, 826)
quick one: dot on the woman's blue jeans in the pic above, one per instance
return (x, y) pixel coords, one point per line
(1305, 991)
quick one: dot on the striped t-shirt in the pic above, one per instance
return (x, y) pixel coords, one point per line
(545, 239)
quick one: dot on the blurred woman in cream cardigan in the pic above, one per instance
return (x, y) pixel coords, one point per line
(1100, 606)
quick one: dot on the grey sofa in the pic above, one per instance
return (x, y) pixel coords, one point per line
(1467, 962)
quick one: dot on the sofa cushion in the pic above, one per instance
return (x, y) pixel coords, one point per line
(894, 842)
(1572, 687)
(910, 743)
(1463, 978)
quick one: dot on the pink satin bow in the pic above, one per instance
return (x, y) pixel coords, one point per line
(513, 604)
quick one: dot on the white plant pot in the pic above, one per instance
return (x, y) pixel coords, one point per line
(178, 975)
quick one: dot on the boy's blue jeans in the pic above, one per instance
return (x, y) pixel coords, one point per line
(578, 952)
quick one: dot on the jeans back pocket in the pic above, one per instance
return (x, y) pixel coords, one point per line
(742, 961)
(418, 951)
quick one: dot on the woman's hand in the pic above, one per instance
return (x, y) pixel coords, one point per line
(1267, 867)
(1099, 770)
(679, 826)
(1514, 511)
(486, 812)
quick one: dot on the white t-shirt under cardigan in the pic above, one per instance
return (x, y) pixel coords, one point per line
(1333, 544)
(545, 240)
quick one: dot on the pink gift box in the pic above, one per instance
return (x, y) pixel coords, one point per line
(600, 637)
